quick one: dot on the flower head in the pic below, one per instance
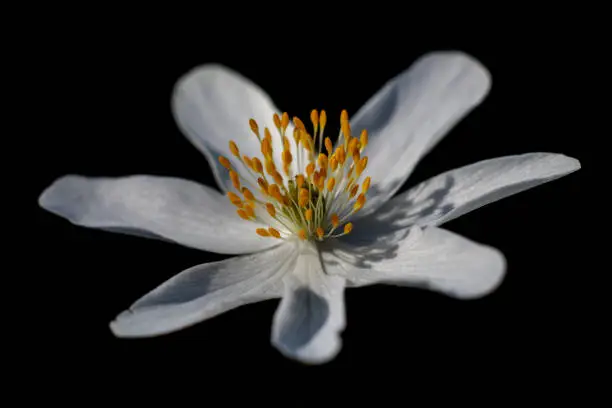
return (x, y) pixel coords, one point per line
(294, 197)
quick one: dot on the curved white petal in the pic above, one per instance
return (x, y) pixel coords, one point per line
(212, 105)
(432, 258)
(311, 315)
(205, 291)
(412, 113)
(456, 192)
(178, 210)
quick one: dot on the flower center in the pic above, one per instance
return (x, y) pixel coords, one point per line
(317, 191)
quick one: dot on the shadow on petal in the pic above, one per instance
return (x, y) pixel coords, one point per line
(295, 333)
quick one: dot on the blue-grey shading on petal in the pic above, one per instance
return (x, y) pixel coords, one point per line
(173, 209)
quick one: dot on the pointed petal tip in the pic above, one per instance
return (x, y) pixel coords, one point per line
(563, 164)
(572, 163)
(55, 195)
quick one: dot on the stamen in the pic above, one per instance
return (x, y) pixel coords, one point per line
(263, 232)
(247, 194)
(274, 232)
(234, 199)
(224, 162)
(310, 198)
(234, 149)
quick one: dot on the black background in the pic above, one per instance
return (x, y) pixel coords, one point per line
(113, 98)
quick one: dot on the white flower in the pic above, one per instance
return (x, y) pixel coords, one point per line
(296, 254)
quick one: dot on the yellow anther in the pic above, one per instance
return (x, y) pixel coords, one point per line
(224, 162)
(323, 119)
(268, 136)
(310, 169)
(287, 157)
(286, 143)
(328, 145)
(308, 214)
(263, 184)
(361, 165)
(298, 123)
(234, 148)
(243, 214)
(344, 116)
(352, 146)
(281, 198)
(356, 155)
(250, 211)
(322, 160)
(247, 194)
(333, 163)
(299, 180)
(302, 234)
(335, 220)
(274, 232)
(348, 227)
(346, 130)
(284, 121)
(323, 173)
(274, 191)
(360, 202)
(365, 186)
(297, 136)
(234, 199)
(363, 139)
(314, 118)
(340, 155)
(250, 204)
(271, 210)
(303, 201)
(235, 179)
(350, 172)
(263, 232)
(248, 162)
(270, 167)
(277, 121)
(257, 166)
(354, 191)
(254, 126)
(320, 233)
(266, 148)
(277, 177)
(331, 183)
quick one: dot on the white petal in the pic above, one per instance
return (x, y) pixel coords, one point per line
(412, 113)
(432, 258)
(311, 315)
(212, 105)
(454, 193)
(205, 291)
(178, 210)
